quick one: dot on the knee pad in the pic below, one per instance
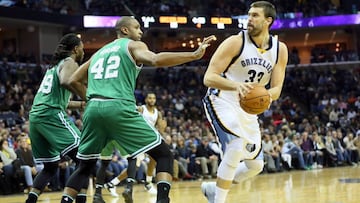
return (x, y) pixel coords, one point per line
(51, 167)
(248, 169)
(163, 157)
(230, 161)
(255, 165)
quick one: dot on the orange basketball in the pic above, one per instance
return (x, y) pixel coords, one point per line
(256, 101)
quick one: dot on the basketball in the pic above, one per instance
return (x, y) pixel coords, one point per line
(256, 101)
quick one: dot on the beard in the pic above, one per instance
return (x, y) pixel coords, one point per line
(253, 31)
(79, 59)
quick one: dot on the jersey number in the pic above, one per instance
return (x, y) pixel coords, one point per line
(253, 74)
(46, 84)
(111, 67)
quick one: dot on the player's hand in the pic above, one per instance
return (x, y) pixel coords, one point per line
(199, 53)
(243, 89)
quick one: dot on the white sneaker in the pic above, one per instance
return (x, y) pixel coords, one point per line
(149, 187)
(112, 189)
(208, 189)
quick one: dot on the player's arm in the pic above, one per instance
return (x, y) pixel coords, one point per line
(160, 123)
(78, 80)
(221, 59)
(143, 55)
(278, 74)
(76, 105)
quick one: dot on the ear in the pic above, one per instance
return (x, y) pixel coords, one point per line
(124, 30)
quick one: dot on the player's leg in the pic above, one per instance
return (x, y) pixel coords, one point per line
(115, 181)
(57, 133)
(100, 180)
(149, 176)
(93, 140)
(248, 169)
(164, 170)
(130, 180)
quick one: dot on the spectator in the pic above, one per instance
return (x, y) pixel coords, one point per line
(28, 165)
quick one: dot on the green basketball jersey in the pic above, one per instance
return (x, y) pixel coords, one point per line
(50, 95)
(112, 72)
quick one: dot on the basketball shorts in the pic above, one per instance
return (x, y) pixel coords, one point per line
(52, 136)
(106, 120)
(108, 151)
(229, 123)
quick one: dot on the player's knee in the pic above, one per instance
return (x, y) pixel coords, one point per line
(163, 157)
(256, 166)
(86, 167)
(51, 167)
(232, 157)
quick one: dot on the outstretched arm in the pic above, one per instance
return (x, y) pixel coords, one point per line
(143, 55)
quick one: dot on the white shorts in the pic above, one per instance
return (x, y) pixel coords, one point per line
(230, 122)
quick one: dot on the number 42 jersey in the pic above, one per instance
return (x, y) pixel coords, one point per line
(113, 72)
(50, 95)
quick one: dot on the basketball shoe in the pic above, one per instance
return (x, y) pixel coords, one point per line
(208, 189)
(127, 195)
(149, 187)
(111, 188)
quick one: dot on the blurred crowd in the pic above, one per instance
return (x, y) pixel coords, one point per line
(285, 8)
(315, 123)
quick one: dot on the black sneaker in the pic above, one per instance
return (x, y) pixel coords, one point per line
(98, 199)
(127, 195)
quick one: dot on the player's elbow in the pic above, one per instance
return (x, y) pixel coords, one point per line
(207, 80)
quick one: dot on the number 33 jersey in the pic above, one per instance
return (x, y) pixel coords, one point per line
(113, 72)
(253, 64)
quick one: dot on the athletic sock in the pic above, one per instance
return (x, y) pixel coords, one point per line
(98, 189)
(81, 198)
(115, 181)
(220, 195)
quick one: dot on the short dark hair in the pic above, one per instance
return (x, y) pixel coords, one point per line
(269, 9)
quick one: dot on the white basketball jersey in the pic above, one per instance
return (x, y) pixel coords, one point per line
(150, 117)
(252, 65)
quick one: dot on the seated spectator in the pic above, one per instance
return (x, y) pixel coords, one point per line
(182, 157)
(343, 155)
(271, 157)
(308, 149)
(319, 148)
(194, 165)
(349, 141)
(331, 158)
(28, 166)
(290, 147)
(206, 156)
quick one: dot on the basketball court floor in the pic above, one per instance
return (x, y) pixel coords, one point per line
(330, 185)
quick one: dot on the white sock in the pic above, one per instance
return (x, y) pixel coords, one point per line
(149, 179)
(115, 181)
(220, 195)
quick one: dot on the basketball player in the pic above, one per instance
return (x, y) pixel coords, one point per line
(52, 134)
(110, 112)
(253, 57)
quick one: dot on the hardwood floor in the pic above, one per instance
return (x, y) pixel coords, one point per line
(331, 185)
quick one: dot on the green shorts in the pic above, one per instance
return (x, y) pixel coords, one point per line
(119, 121)
(52, 136)
(107, 152)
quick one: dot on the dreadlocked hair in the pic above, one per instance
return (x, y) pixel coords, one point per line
(64, 48)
